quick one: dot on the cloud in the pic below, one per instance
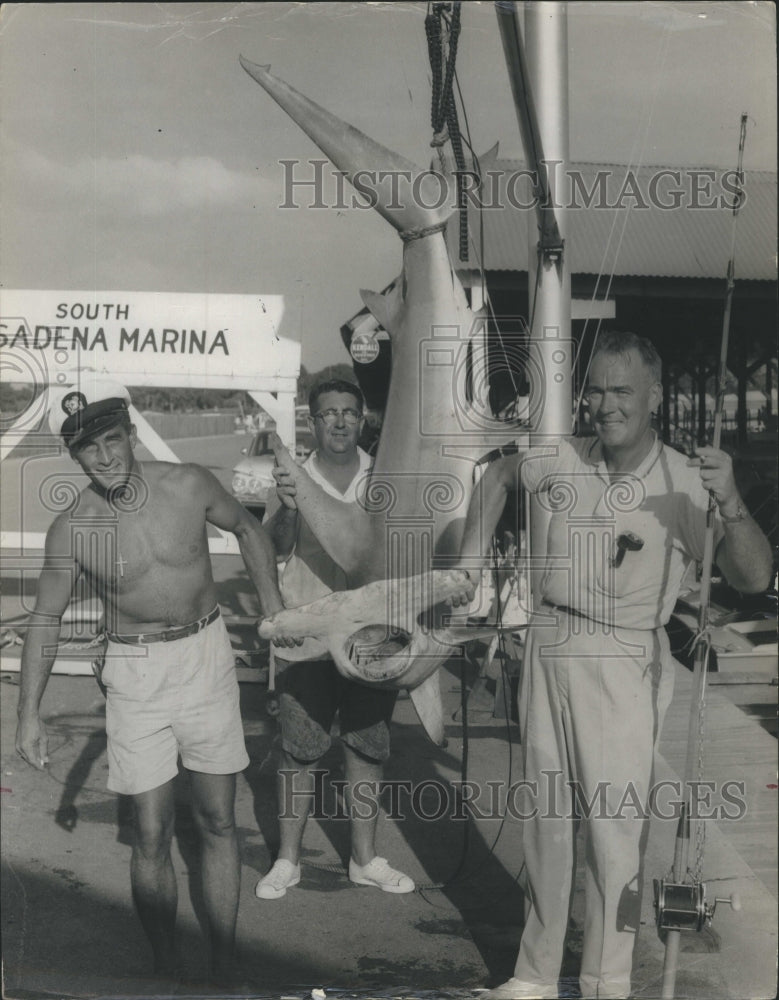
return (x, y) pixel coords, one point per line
(156, 187)
(136, 185)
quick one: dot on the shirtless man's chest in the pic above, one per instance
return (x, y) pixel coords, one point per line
(147, 558)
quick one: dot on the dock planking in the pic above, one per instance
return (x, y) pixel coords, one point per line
(736, 749)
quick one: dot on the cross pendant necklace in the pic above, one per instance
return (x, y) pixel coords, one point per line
(121, 563)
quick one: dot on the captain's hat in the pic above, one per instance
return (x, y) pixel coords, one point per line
(79, 412)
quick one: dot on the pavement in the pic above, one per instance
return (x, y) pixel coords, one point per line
(69, 929)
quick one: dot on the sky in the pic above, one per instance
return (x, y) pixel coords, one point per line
(138, 155)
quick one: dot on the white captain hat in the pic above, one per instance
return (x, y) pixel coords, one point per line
(78, 412)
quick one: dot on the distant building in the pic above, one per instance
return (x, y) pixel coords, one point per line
(648, 250)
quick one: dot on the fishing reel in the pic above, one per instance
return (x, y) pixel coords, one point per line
(682, 906)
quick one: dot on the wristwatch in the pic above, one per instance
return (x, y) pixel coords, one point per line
(740, 515)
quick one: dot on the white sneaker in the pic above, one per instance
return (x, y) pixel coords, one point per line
(378, 873)
(518, 989)
(282, 876)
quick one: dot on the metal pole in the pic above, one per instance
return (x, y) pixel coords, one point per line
(546, 35)
(670, 965)
(549, 280)
(538, 72)
(526, 108)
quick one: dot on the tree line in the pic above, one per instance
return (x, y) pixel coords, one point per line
(15, 397)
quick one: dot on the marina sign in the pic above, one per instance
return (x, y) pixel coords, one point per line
(146, 338)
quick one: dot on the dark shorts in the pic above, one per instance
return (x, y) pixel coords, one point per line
(310, 694)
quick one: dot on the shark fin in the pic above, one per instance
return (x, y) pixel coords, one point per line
(397, 188)
(475, 166)
(384, 305)
(488, 160)
(377, 305)
(426, 699)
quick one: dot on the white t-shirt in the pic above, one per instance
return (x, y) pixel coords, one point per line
(309, 572)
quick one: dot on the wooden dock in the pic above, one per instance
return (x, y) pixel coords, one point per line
(736, 749)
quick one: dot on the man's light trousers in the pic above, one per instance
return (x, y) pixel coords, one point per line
(592, 702)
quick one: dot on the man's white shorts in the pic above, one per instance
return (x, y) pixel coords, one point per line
(167, 699)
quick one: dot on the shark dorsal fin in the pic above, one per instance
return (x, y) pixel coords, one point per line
(383, 306)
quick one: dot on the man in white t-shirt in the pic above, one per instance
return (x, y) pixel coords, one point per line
(627, 516)
(311, 690)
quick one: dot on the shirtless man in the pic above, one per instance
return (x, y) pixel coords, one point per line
(137, 533)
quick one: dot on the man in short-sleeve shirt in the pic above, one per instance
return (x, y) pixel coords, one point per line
(627, 516)
(661, 502)
(311, 689)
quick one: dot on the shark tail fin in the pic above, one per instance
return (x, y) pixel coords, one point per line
(406, 195)
(383, 305)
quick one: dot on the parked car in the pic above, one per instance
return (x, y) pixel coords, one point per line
(253, 476)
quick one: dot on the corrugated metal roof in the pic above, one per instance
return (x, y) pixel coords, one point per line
(648, 221)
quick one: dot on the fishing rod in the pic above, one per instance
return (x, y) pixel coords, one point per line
(680, 902)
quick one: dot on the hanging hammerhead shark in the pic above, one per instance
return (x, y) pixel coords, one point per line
(392, 627)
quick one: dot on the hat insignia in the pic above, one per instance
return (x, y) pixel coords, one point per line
(73, 402)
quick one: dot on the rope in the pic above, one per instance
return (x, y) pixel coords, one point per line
(440, 137)
(409, 235)
(443, 109)
(433, 34)
(478, 251)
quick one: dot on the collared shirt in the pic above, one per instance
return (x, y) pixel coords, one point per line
(309, 572)
(662, 502)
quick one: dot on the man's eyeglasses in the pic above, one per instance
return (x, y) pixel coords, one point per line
(330, 417)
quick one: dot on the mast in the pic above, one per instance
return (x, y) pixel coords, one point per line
(549, 275)
(538, 72)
